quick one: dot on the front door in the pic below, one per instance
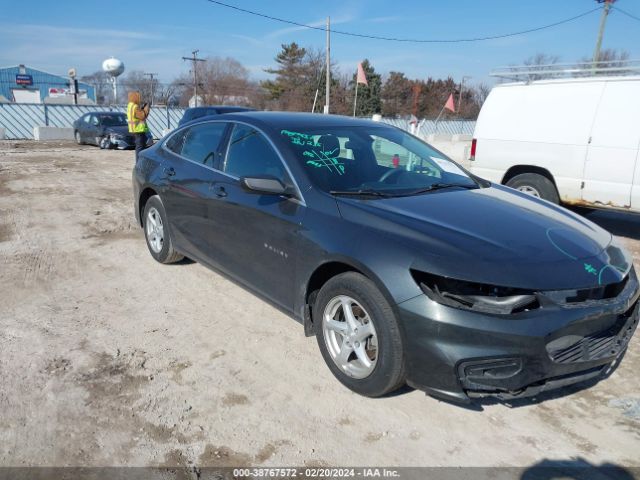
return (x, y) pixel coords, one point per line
(257, 233)
(611, 155)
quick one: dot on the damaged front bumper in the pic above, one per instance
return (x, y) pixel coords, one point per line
(123, 142)
(463, 355)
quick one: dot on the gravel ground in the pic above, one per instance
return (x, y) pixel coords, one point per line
(109, 358)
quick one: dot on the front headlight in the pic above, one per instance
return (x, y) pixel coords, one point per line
(619, 257)
(477, 297)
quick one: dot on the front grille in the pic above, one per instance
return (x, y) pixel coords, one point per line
(603, 344)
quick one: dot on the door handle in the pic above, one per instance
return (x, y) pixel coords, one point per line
(219, 191)
(169, 172)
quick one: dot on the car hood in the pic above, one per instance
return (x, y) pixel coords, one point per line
(494, 235)
(122, 130)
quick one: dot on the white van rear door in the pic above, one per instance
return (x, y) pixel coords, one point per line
(611, 155)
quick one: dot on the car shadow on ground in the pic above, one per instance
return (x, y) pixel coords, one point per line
(618, 223)
(577, 469)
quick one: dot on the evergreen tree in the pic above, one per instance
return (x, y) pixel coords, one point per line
(369, 101)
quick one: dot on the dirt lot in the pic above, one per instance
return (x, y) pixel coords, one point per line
(109, 358)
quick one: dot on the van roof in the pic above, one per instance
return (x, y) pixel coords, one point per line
(595, 79)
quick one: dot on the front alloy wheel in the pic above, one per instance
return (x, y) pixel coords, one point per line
(350, 336)
(358, 335)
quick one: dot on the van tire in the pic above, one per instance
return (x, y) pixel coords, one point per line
(536, 185)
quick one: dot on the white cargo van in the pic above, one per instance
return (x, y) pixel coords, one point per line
(573, 141)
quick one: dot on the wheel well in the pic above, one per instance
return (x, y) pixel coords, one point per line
(520, 169)
(146, 194)
(323, 274)
(319, 277)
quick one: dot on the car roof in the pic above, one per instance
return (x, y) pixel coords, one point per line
(220, 107)
(104, 114)
(291, 119)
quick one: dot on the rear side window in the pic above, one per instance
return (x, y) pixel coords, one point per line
(250, 154)
(198, 143)
(175, 142)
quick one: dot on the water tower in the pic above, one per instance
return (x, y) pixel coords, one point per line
(114, 68)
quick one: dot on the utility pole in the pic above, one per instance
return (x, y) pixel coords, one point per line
(194, 62)
(328, 76)
(151, 75)
(603, 21)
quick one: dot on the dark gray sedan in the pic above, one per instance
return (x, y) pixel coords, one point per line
(406, 267)
(106, 130)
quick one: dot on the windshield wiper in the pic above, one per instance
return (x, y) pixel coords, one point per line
(361, 193)
(440, 186)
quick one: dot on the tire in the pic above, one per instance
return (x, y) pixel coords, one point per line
(78, 138)
(536, 185)
(158, 236)
(386, 372)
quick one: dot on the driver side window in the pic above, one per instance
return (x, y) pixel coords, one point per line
(249, 154)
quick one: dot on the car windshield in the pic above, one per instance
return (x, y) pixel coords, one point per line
(376, 161)
(114, 120)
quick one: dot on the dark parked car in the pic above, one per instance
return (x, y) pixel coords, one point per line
(199, 112)
(106, 130)
(406, 271)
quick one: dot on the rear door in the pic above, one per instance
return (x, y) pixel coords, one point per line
(613, 149)
(189, 175)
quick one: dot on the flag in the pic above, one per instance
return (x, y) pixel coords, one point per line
(449, 105)
(361, 77)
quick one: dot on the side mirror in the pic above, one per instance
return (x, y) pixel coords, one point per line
(266, 185)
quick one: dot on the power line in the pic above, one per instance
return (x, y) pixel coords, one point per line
(626, 13)
(409, 40)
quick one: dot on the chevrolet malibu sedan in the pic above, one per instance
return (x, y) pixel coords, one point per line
(412, 271)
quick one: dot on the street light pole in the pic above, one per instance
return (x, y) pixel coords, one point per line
(465, 77)
(151, 75)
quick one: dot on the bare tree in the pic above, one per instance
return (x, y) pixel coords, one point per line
(542, 63)
(224, 81)
(136, 80)
(100, 81)
(480, 93)
(608, 58)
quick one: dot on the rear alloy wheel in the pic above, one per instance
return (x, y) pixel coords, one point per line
(78, 138)
(358, 335)
(535, 185)
(156, 232)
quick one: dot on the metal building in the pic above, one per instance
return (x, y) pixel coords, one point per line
(22, 84)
